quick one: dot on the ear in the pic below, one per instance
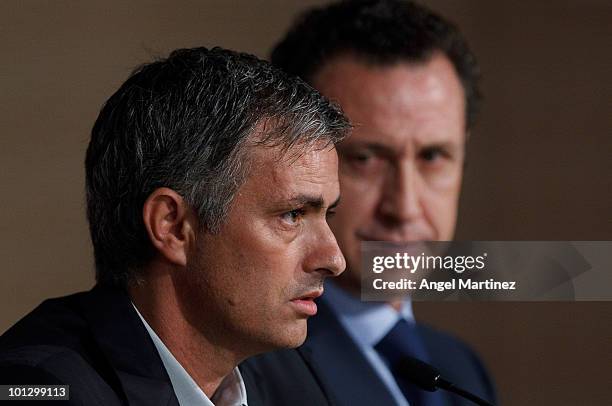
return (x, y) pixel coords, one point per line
(170, 224)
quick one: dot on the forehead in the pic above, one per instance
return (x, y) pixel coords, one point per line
(423, 101)
(278, 174)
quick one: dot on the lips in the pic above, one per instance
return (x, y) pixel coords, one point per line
(305, 304)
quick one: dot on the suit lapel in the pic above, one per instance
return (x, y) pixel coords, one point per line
(343, 371)
(127, 347)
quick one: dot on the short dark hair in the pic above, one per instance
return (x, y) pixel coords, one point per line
(182, 123)
(379, 32)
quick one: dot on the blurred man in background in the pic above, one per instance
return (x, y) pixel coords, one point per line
(409, 85)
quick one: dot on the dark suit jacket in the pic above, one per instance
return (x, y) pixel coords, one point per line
(93, 341)
(341, 375)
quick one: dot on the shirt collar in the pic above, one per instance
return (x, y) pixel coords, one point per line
(366, 322)
(231, 391)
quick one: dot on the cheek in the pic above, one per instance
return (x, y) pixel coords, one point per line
(236, 275)
(268, 276)
(269, 266)
(357, 210)
(353, 182)
(441, 210)
(258, 281)
(349, 218)
(448, 181)
(359, 198)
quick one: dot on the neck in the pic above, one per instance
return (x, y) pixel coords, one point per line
(207, 363)
(396, 305)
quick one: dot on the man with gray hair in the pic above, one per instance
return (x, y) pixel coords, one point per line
(210, 176)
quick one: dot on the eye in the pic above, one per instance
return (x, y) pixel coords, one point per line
(293, 217)
(362, 157)
(330, 213)
(363, 162)
(432, 154)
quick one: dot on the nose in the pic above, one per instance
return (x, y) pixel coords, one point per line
(325, 256)
(401, 201)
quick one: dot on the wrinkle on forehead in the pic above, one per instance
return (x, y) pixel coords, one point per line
(310, 166)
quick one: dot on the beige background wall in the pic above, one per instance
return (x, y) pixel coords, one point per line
(539, 166)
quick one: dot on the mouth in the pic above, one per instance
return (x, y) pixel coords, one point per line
(305, 304)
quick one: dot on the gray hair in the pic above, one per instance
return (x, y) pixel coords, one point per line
(184, 123)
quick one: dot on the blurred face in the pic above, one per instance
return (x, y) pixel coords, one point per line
(400, 171)
(253, 283)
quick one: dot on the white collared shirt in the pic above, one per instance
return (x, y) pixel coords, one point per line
(231, 391)
(367, 323)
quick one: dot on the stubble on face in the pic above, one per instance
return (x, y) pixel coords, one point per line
(240, 282)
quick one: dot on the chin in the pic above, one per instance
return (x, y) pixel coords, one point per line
(285, 337)
(291, 336)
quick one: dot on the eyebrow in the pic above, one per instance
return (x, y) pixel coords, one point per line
(381, 148)
(316, 202)
(387, 150)
(373, 146)
(445, 145)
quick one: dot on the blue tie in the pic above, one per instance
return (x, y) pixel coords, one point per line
(403, 340)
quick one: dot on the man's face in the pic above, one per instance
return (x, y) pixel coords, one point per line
(400, 171)
(253, 283)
